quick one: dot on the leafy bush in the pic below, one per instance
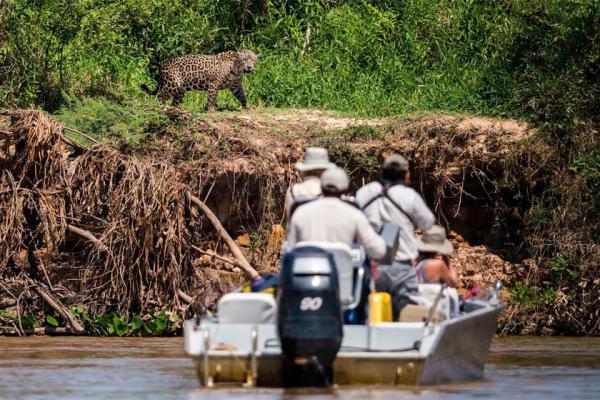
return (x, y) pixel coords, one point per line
(524, 294)
(530, 59)
(112, 324)
(126, 123)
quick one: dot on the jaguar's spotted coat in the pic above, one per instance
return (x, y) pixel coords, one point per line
(204, 72)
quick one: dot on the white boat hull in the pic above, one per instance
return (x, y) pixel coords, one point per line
(454, 350)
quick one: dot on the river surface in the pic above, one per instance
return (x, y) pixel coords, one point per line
(156, 368)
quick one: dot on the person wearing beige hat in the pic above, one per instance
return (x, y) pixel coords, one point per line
(330, 219)
(316, 161)
(433, 263)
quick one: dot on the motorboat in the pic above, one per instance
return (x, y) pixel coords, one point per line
(316, 331)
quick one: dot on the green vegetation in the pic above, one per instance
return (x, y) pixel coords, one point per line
(124, 123)
(364, 132)
(113, 324)
(110, 324)
(527, 295)
(533, 59)
(563, 267)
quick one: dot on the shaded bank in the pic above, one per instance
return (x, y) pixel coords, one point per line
(483, 177)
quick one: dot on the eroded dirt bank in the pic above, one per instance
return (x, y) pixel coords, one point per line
(481, 177)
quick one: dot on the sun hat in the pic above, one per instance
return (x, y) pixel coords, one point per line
(334, 180)
(434, 241)
(315, 158)
(396, 159)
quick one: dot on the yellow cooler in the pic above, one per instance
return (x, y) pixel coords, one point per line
(380, 308)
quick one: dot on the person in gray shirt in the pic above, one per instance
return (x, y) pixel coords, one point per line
(330, 219)
(391, 201)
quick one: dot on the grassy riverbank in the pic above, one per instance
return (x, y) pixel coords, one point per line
(532, 61)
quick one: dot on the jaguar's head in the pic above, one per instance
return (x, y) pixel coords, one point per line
(246, 60)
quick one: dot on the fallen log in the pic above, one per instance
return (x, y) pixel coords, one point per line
(59, 308)
(233, 247)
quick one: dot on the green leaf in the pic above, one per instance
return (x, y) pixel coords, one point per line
(136, 323)
(28, 322)
(160, 324)
(149, 327)
(120, 326)
(51, 320)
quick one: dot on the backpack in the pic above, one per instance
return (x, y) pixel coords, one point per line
(298, 201)
(384, 194)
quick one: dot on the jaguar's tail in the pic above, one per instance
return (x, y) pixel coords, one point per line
(146, 89)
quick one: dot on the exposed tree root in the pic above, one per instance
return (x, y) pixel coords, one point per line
(197, 215)
(122, 225)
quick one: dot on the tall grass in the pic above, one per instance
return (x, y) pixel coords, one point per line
(530, 59)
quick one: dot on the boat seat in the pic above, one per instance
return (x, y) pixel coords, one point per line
(247, 308)
(342, 256)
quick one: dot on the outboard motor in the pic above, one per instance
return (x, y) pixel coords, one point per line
(309, 317)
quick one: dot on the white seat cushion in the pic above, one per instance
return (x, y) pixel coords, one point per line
(247, 308)
(342, 256)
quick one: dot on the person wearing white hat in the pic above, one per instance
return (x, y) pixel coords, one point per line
(316, 161)
(433, 263)
(330, 219)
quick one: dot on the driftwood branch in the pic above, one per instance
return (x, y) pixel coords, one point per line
(69, 142)
(215, 255)
(184, 297)
(59, 308)
(87, 235)
(233, 247)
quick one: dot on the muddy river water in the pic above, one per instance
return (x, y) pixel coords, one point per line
(134, 368)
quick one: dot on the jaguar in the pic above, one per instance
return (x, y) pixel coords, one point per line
(211, 73)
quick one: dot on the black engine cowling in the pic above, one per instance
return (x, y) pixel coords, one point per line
(309, 317)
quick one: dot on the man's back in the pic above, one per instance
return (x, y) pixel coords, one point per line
(330, 219)
(308, 189)
(383, 210)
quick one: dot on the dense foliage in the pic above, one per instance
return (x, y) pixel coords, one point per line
(537, 60)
